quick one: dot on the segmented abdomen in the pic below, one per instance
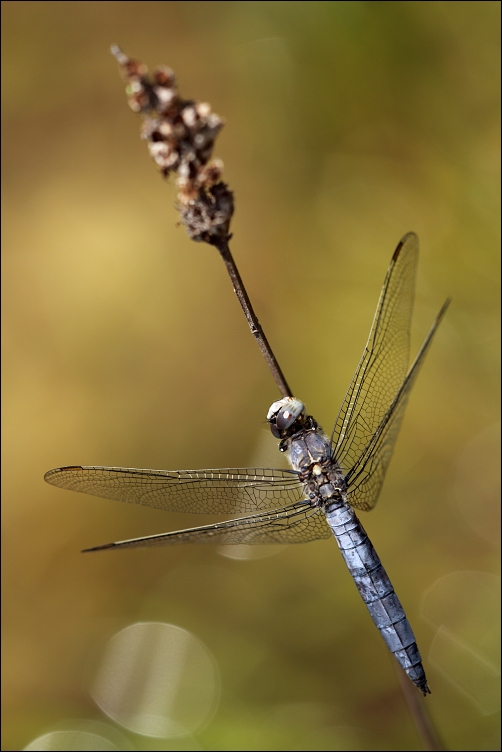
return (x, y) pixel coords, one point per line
(376, 590)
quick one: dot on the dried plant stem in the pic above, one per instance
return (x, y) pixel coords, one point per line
(419, 715)
(180, 134)
(252, 319)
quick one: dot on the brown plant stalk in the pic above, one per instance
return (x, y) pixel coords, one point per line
(180, 135)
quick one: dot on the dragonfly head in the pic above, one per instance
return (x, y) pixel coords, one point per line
(286, 417)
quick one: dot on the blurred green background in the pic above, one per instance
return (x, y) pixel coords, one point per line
(347, 124)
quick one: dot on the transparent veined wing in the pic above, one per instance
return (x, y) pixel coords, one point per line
(365, 478)
(222, 491)
(384, 362)
(296, 523)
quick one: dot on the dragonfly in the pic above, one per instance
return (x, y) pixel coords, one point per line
(330, 476)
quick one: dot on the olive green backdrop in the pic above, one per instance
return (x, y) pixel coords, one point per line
(347, 124)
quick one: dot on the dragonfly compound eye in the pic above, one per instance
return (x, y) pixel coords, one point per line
(283, 414)
(286, 418)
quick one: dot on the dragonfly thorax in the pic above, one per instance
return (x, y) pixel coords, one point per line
(308, 448)
(310, 455)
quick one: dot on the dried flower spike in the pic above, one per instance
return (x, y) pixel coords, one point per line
(180, 135)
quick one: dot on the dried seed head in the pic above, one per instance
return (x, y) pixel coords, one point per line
(207, 217)
(180, 135)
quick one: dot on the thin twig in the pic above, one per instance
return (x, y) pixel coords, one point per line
(180, 135)
(417, 710)
(252, 319)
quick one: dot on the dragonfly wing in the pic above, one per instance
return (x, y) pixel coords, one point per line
(384, 362)
(296, 523)
(365, 478)
(222, 491)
